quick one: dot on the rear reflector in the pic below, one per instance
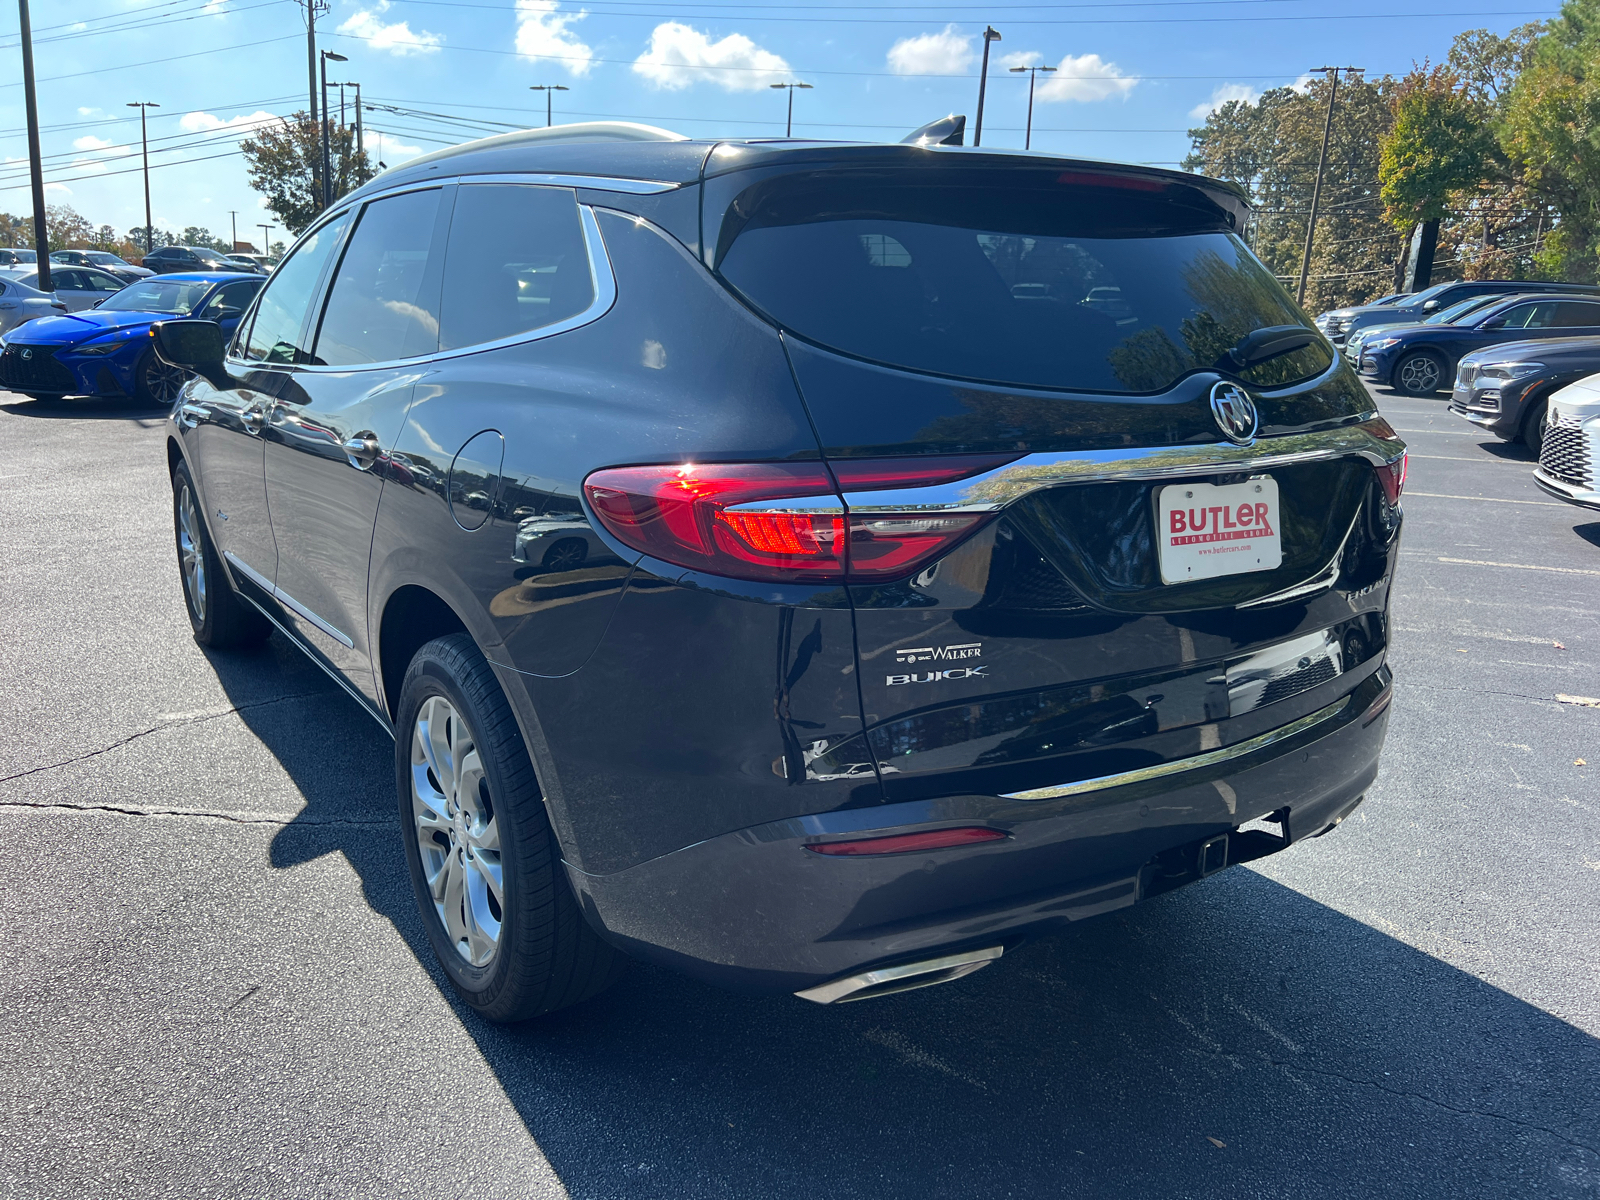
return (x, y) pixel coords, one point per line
(908, 843)
(784, 522)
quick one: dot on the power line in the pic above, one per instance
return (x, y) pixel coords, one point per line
(99, 71)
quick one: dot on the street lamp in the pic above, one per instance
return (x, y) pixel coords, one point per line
(788, 127)
(549, 90)
(144, 139)
(1033, 74)
(266, 239)
(990, 34)
(233, 215)
(327, 179)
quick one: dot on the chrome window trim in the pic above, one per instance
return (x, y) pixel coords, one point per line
(602, 183)
(1183, 765)
(285, 599)
(994, 490)
(601, 276)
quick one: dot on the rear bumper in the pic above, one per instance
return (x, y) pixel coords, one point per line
(756, 911)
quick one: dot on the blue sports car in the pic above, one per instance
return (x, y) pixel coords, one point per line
(105, 351)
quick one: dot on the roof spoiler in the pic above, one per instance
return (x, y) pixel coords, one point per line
(946, 131)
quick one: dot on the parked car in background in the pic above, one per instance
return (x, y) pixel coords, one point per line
(893, 670)
(167, 259)
(12, 257)
(105, 351)
(1421, 359)
(104, 260)
(1506, 389)
(76, 287)
(1445, 316)
(1569, 460)
(255, 262)
(1439, 296)
(1331, 322)
(20, 304)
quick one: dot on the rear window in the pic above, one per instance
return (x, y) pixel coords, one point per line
(1038, 278)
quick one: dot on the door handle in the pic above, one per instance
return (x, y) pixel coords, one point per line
(190, 415)
(362, 450)
(253, 419)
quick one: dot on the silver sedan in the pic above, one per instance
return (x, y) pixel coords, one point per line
(76, 287)
(20, 303)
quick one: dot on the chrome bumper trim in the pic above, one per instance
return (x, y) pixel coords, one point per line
(1565, 491)
(902, 978)
(1182, 765)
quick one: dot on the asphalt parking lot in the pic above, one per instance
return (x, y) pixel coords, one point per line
(216, 984)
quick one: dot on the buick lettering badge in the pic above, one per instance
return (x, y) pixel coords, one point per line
(1235, 412)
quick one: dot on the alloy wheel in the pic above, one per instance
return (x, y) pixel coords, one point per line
(1419, 373)
(457, 836)
(163, 380)
(191, 558)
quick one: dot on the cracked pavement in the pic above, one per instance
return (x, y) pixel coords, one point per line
(216, 983)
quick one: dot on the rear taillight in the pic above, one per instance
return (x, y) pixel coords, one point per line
(1392, 475)
(786, 522)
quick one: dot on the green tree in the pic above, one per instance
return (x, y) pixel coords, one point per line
(1551, 128)
(285, 163)
(1440, 143)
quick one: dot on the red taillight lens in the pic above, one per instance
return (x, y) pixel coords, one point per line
(751, 520)
(907, 843)
(1392, 474)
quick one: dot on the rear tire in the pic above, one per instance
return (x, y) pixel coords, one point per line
(1533, 424)
(1419, 374)
(220, 617)
(484, 862)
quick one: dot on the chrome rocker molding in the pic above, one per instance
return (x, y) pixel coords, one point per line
(1182, 765)
(288, 601)
(883, 981)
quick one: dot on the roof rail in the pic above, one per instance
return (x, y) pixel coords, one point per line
(582, 131)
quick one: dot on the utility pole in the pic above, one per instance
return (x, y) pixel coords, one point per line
(990, 34)
(313, 7)
(549, 90)
(41, 230)
(788, 128)
(266, 239)
(234, 214)
(361, 145)
(144, 140)
(327, 163)
(1033, 74)
(1322, 162)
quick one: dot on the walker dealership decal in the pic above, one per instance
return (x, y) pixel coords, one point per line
(930, 654)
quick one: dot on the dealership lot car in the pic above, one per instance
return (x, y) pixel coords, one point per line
(924, 605)
(1569, 459)
(1506, 389)
(1339, 324)
(106, 351)
(20, 304)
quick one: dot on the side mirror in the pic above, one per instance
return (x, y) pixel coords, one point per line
(190, 345)
(97, 304)
(1497, 323)
(1429, 305)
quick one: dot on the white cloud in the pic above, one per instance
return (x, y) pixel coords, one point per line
(61, 188)
(383, 148)
(543, 32)
(395, 36)
(1225, 94)
(1022, 58)
(944, 53)
(1301, 85)
(204, 122)
(89, 142)
(88, 112)
(679, 55)
(1086, 77)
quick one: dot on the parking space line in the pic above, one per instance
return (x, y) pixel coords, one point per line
(1446, 432)
(1491, 499)
(1475, 562)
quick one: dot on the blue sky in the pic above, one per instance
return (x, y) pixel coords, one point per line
(1131, 76)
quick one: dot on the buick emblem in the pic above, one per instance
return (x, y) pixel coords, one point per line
(1235, 412)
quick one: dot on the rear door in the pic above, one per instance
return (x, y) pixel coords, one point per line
(955, 312)
(73, 288)
(341, 409)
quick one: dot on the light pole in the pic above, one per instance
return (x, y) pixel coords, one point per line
(1033, 74)
(312, 7)
(788, 127)
(144, 139)
(234, 214)
(41, 232)
(266, 239)
(361, 145)
(327, 177)
(990, 34)
(549, 90)
(1322, 161)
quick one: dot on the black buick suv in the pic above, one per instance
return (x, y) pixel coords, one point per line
(814, 567)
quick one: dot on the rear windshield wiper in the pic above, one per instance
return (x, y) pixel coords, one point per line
(1263, 344)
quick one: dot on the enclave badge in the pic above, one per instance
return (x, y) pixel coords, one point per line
(1235, 412)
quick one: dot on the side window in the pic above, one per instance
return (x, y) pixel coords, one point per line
(1576, 314)
(376, 309)
(281, 315)
(1532, 316)
(516, 261)
(234, 295)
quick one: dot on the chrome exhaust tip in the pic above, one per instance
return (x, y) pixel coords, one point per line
(881, 981)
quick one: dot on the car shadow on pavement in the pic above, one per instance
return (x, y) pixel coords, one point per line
(1234, 1038)
(1511, 451)
(86, 410)
(1589, 533)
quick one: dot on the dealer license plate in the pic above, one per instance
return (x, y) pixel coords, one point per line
(1204, 531)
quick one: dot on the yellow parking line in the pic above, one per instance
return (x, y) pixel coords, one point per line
(1492, 499)
(1473, 562)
